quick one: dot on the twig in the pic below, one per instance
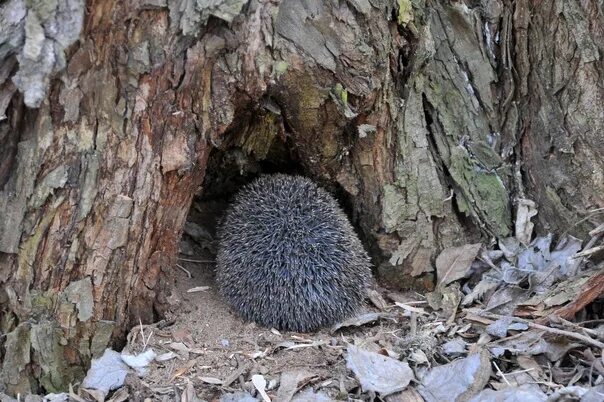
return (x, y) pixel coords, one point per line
(591, 322)
(589, 215)
(489, 263)
(587, 252)
(145, 339)
(501, 374)
(521, 371)
(583, 338)
(598, 230)
(142, 334)
(567, 323)
(200, 261)
(186, 271)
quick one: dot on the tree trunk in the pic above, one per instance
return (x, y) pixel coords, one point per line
(430, 118)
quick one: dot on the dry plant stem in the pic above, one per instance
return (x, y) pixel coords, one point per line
(490, 264)
(598, 230)
(577, 327)
(520, 371)
(501, 374)
(591, 322)
(199, 261)
(588, 251)
(590, 214)
(186, 271)
(582, 338)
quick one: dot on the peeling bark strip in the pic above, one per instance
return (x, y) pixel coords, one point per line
(432, 116)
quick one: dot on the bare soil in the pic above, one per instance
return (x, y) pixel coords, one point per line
(213, 344)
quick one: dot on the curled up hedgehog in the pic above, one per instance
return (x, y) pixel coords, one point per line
(287, 256)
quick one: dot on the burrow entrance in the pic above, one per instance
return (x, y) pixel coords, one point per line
(231, 166)
(201, 316)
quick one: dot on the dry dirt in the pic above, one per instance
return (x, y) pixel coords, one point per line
(205, 351)
(212, 344)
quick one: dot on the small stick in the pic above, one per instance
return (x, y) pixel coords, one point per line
(587, 252)
(597, 230)
(521, 371)
(501, 374)
(201, 261)
(573, 325)
(580, 337)
(186, 271)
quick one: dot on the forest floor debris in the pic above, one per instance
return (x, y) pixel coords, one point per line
(521, 322)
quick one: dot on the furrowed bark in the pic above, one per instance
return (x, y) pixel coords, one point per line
(431, 117)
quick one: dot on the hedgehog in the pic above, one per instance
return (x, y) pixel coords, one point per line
(288, 258)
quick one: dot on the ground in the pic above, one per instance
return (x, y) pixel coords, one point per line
(514, 320)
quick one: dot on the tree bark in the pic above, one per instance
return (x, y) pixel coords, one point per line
(432, 118)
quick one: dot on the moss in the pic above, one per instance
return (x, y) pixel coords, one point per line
(42, 304)
(393, 207)
(279, 68)
(101, 337)
(405, 12)
(330, 147)
(484, 192)
(261, 136)
(56, 372)
(16, 358)
(341, 93)
(29, 248)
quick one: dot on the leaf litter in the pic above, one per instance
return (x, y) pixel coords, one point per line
(520, 320)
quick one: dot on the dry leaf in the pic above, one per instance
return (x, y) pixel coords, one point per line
(120, 395)
(211, 380)
(183, 369)
(457, 380)
(198, 289)
(260, 384)
(524, 393)
(235, 374)
(453, 263)
(408, 395)
(524, 227)
(165, 357)
(98, 395)
(411, 309)
(179, 347)
(189, 394)
(376, 299)
(362, 319)
(378, 373)
(289, 383)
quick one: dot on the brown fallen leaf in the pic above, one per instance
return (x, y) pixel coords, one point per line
(243, 368)
(183, 369)
(411, 309)
(198, 289)
(211, 380)
(524, 227)
(458, 380)
(259, 382)
(290, 383)
(120, 395)
(589, 292)
(408, 395)
(362, 319)
(188, 394)
(376, 299)
(453, 263)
